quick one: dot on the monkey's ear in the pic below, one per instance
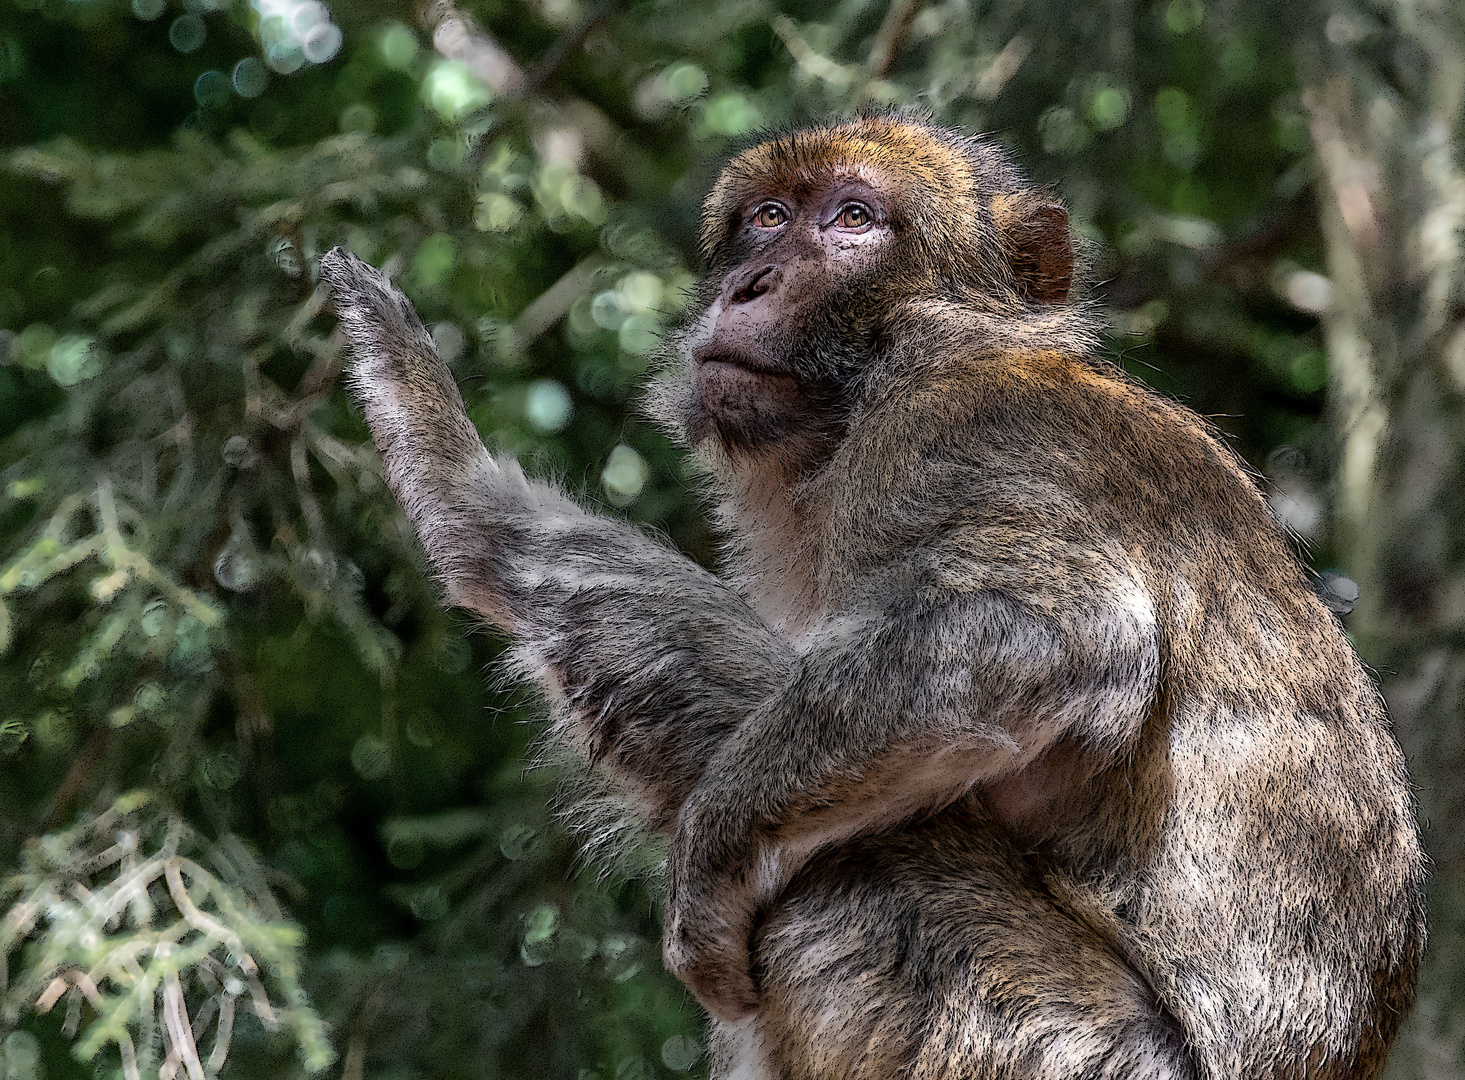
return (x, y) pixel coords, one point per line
(1035, 234)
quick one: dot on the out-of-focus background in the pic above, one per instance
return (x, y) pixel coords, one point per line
(260, 813)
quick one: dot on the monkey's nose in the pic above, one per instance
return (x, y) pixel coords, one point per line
(755, 283)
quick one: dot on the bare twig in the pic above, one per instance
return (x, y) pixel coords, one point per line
(552, 304)
(807, 57)
(1003, 67)
(353, 1067)
(891, 37)
(180, 1032)
(545, 67)
(76, 779)
(457, 36)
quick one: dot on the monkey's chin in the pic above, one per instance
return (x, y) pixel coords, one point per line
(746, 407)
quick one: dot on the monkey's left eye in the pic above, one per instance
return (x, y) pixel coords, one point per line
(853, 216)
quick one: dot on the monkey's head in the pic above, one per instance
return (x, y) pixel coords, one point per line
(819, 244)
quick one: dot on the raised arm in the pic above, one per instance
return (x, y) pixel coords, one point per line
(648, 659)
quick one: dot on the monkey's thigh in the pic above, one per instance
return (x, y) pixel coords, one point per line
(932, 953)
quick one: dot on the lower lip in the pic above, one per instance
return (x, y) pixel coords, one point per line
(722, 367)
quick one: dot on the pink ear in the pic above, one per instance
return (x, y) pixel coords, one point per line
(1038, 246)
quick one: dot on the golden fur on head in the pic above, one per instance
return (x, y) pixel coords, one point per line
(950, 184)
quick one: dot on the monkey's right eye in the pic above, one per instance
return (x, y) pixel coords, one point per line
(770, 216)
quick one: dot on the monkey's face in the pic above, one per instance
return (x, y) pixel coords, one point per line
(792, 318)
(818, 241)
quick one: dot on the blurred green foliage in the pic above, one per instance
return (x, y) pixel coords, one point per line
(206, 593)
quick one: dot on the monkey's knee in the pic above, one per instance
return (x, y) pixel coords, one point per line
(934, 956)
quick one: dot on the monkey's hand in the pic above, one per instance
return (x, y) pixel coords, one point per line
(894, 713)
(705, 943)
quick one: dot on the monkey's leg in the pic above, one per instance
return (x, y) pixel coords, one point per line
(931, 953)
(649, 659)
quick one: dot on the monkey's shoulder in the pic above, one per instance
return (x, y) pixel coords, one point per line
(1054, 467)
(1045, 426)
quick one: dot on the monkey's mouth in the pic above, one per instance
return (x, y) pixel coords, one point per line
(723, 363)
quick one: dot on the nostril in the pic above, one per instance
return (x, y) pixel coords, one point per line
(756, 284)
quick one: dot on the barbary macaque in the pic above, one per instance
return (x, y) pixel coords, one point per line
(1012, 741)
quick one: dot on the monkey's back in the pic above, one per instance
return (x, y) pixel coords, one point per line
(1254, 853)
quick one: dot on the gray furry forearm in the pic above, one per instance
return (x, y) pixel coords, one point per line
(648, 660)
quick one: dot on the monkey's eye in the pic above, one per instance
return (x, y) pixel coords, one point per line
(854, 216)
(770, 216)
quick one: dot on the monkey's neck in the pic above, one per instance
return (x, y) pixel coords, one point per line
(778, 557)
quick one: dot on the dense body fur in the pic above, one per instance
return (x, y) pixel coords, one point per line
(1014, 742)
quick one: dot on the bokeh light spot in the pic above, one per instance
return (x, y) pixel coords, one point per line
(452, 91)
(1239, 61)
(683, 82)
(580, 196)
(434, 260)
(448, 340)
(32, 346)
(235, 567)
(496, 212)
(321, 43)
(296, 31)
(639, 334)
(250, 77)
(624, 475)
(398, 46)
(430, 904)
(148, 10)
(73, 359)
(211, 90)
(539, 929)
(187, 33)
(239, 453)
(371, 757)
(150, 696)
(606, 311)
(548, 406)
(1109, 108)
(1338, 591)
(154, 615)
(286, 57)
(732, 114)
(1062, 131)
(641, 291)
(22, 1056)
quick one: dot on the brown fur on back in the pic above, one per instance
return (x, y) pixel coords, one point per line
(1266, 776)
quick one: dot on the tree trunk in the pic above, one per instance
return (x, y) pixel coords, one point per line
(1385, 96)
